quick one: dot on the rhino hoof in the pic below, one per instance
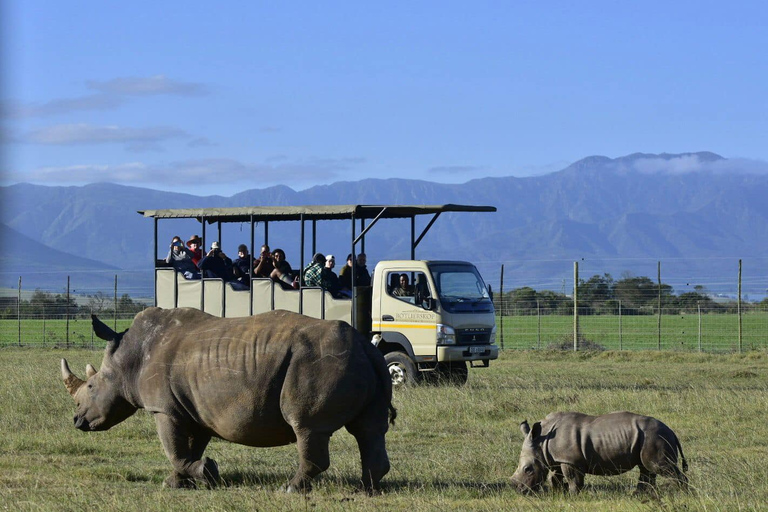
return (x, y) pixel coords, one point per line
(210, 471)
(176, 481)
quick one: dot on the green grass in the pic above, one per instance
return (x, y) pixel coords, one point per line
(452, 448)
(719, 332)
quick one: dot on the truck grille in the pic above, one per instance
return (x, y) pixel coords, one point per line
(473, 336)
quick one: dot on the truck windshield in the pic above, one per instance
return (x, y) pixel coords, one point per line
(460, 287)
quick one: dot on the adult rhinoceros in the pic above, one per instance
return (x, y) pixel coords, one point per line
(265, 380)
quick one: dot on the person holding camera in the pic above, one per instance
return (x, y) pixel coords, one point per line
(264, 266)
(181, 259)
(216, 264)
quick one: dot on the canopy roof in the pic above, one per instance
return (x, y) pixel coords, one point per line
(314, 212)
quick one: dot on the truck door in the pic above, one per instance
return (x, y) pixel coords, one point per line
(402, 311)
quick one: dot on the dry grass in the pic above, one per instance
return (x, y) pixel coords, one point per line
(452, 449)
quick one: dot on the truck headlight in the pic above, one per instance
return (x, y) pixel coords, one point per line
(492, 340)
(446, 335)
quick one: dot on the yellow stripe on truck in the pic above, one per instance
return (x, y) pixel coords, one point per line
(388, 326)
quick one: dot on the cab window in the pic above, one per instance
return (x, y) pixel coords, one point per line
(402, 284)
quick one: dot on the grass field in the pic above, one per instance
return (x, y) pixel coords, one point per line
(718, 333)
(452, 448)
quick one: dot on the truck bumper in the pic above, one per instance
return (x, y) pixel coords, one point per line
(462, 353)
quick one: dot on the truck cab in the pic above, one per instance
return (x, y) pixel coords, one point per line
(432, 318)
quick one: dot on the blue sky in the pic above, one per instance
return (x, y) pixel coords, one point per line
(222, 97)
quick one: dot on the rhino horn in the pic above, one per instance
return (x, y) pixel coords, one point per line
(90, 371)
(71, 381)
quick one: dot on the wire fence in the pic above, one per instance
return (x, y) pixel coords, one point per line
(59, 316)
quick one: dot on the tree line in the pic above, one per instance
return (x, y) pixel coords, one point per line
(602, 295)
(42, 304)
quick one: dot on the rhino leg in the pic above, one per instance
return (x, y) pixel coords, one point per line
(647, 481)
(184, 448)
(574, 477)
(369, 429)
(313, 459)
(374, 459)
(557, 480)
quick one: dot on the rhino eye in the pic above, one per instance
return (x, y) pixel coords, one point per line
(528, 469)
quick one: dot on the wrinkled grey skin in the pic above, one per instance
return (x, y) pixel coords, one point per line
(571, 444)
(266, 380)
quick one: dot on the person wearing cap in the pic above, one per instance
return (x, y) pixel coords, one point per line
(312, 274)
(181, 259)
(330, 281)
(216, 264)
(242, 265)
(195, 244)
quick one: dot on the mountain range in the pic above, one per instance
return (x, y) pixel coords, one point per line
(698, 213)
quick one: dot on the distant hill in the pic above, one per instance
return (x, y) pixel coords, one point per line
(698, 211)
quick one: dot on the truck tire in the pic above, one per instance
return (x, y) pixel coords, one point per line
(401, 369)
(455, 373)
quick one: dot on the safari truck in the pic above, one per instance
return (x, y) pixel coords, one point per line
(442, 323)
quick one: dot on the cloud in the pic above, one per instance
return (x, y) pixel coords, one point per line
(148, 86)
(111, 95)
(99, 102)
(211, 171)
(201, 142)
(80, 134)
(689, 163)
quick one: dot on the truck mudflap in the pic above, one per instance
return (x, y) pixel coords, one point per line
(469, 353)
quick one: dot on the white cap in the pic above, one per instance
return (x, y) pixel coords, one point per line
(215, 245)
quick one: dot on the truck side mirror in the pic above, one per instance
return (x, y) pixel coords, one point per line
(428, 303)
(490, 292)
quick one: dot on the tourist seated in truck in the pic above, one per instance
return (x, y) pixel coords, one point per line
(311, 276)
(181, 259)
(283, 273)
(264, 265)
(217, 265)
(330, 281)
(362, 276)
(195, 244)
(242, 265)
(404, 289)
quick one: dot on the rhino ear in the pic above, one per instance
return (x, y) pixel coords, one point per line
(90, 371)
(524, 428)
(536, 430)
(104, 332)
(101, 330)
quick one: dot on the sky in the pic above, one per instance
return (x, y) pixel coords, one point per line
(220, 97)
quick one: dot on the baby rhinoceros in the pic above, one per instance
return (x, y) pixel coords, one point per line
(572, 444)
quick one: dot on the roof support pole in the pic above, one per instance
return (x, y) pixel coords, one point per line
(154, 265)
(314, 237)
(250, 272)
(352, 275)
(418, 240)
(366, 230)
(202, 272)
(413, 237)
(301, 268)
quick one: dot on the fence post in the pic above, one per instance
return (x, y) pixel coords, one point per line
(538, 327)
(66, 311)
(501, 307)
(738, 307)
(621, 331)
(44, 314)
(575, 306)
(18, 311)
(658, 329)
(114, 307)
(698, 305)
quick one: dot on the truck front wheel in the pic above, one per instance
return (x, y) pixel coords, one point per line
(401, 369)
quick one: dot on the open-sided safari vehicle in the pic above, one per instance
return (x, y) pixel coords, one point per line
(447, 322)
